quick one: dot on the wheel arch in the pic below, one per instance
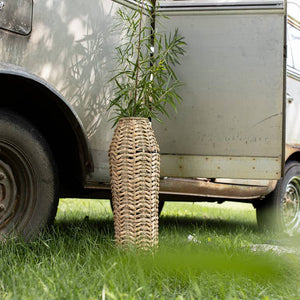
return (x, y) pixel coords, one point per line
(44, 107)
(292, 153)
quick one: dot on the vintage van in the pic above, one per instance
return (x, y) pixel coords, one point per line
(235, 137)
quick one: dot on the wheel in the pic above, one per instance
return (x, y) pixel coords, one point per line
(280, 210)
(28, 187)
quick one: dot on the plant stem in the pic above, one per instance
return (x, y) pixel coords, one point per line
(138, 57)
(152, 41)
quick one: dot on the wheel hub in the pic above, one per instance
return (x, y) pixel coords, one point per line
(291, 203)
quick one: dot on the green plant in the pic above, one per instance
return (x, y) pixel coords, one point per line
(145, 81)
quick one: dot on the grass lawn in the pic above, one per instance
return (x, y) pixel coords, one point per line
(206, 252)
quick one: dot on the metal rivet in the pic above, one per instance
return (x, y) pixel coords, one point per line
(1, 5)
(2, 207)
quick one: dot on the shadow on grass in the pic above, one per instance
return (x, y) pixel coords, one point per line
(101, 226)
(218, 225)
(105, 226)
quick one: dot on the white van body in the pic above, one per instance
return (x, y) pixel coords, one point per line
(238, 123)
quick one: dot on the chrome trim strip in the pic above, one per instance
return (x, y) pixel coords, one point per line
(217, 6)
(133, 4)
(293, 73)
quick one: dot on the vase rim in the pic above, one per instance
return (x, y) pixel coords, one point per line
(134, 118)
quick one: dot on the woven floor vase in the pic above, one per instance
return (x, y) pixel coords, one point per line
(135, 170)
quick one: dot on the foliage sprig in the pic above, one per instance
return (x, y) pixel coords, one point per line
(145, 81)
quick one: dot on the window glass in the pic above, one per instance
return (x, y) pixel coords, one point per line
(290, 61)
(294, 35)
(294, 10)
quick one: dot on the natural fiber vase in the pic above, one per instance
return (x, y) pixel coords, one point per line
(135, 170)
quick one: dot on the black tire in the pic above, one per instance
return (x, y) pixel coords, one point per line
(28, 187)
(280, 210)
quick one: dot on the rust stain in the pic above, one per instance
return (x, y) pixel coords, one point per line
(204, 188)
(291, 149)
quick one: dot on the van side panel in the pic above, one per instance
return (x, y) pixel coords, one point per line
(230, 124)
(70, 47)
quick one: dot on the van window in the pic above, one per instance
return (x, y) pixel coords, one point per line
(290, 61)
(293, 35)
(293, 10)
(294, 43)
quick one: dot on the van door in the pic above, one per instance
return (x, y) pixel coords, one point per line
(231, 121)
(293, 76)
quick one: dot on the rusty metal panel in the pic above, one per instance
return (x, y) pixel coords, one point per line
(233, 94)
(202, 188)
